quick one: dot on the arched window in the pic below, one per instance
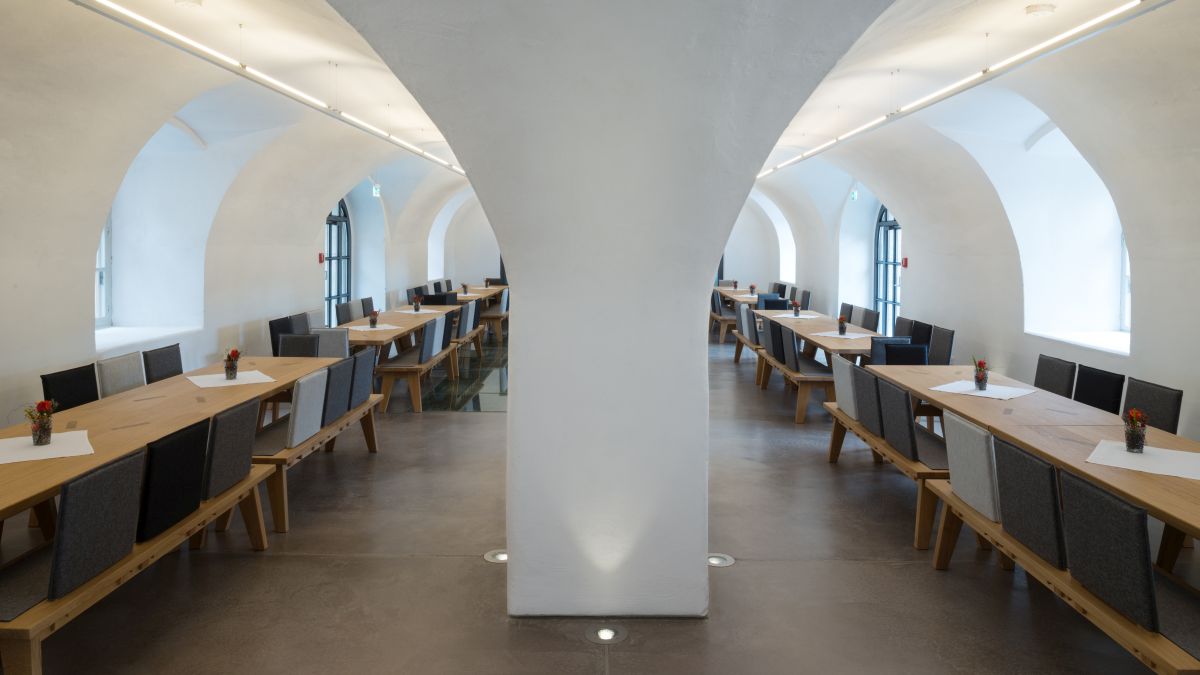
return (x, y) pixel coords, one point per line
(887, 269)
(337, 260)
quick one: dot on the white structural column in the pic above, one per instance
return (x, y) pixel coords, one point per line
(612, 145)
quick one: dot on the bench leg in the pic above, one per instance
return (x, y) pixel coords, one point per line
(414, 391)
(389, 381)
(835, 441)
(737, 352)
(33, 524)
(1169, 548)
(947, 538)
(479, 344)
(47, 518)
(982, 543)
(724, 328)
(21, 657)
(252, 517)
(803, 392)
(926, 510)
(368, 428)
(766, 375)
(453, 359)
(329, 444)
(277, 492)
(758, 369)
(1006, 563)
(224, 520)
(198, 540)
(1188, 542)
(830, 393)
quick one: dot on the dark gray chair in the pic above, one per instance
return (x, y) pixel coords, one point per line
(1055, 375)
(903, 328)
(866, 400)
(846, 311)
(337, 391)
(440, 298)
(1099, 388)
(878, 355)
(774, 303)
(230, 446)
(906, 355)
(941, 346)
(1161, 404)
(174, 480)
(903, 434)
(922, 333)
(411, 294)
(343, 313)
(368, 306)
(162, 363)
(779, 288)
(277, 327)
(869, 319)
(1029, 502)
(299, 345)
(1108, 544)
(70, 388)
(363, 384)
(437, 287)
(300, 324)
(805, 299)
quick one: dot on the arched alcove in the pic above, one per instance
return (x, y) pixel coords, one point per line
(472, 252)
(752, 254)
(785, 239)
(436, 240)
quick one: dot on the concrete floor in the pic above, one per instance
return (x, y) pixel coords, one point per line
(382, 573)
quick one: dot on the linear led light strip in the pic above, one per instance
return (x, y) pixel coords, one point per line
(154, 29)
(1076, 34)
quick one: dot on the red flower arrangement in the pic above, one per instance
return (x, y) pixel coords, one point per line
(373, 318)
(41, 420)
(981, 373)
(752, 287)
(796, 307)
(417, 302)
(232, 354)
(841, 324)
(1135, 429)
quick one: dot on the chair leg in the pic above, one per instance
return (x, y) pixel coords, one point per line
(368, 428)
(21, 657)
(277, 492)
(414, 391)
(947, 539)
(835, 441)
(252, 517)
(926, 510)
(803, 392)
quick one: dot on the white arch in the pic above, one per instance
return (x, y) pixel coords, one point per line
(436, 261)
(787, 241)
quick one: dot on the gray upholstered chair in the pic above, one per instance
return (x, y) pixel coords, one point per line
(300, 324)
(277, 327)
(332, 342)
(1161, 404)
(356, 310)
(748, 323)
(72, 387)
(805, 300)
(843, 385)
(343, 313)
(1055, 375)
(368, 306)
(363, 384)
(174, 480)
(902, 432)
(230, 446)
(466, 319)
(304, 421)
(846, 311)
(868, 318)
(1029, 502)
(922, 333)
(97, 520)
(904, 327)
(161, 363)
(1099, 388)
(437, 286)
(941, 346)
(972, 461)
(726, 283)
(1108, 542)
(879, 354)
(337, 391)
(299, 345)
(866, 400)
(120, 373)
(316, 318)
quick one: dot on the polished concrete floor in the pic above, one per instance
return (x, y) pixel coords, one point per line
(382, 573)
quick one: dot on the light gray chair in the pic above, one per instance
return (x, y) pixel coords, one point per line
(299, 345)
(1161, 404)
(356, 310)
(1055, 375)
(332, 342)
(316, 318)
(904, 327)
(972, 462)
(1029, 502)
(120, 373)
(843, 385)
(308, 407)
(902, 432)
(941, 346)
(726, 283)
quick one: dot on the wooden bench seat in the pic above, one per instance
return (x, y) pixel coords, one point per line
(807, 375)
(21, 639)
(475, 337)
(882, 451)
(1153, 649)
(281, 461)
(408, 365)
(743, 342)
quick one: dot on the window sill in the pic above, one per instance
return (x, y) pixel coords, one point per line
(1112, 341)
(118, 339)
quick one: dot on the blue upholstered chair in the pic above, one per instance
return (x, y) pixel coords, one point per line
(906, 355)
(922, 333)
(878, 354)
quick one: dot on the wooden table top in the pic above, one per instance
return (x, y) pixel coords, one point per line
(807, 329)
(405, 323)
(742, 294)
(121, 424)
(479, 293)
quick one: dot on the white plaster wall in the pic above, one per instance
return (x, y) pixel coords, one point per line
(472, 253)
(752, 252)
(856, 250)
(368, 244)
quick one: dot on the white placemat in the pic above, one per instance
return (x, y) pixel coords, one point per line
(378, 326)
(1151, 460)
(847, 336)
(62, 444)
(424, 311)
(789, 315)
(218, 379)
(995, 391)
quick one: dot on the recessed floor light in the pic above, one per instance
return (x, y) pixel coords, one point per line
(720, 560)
(606, 635)
(497, 556)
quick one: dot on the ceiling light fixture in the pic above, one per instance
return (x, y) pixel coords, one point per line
(1040, 9)
(1080, 32)
(146, 26)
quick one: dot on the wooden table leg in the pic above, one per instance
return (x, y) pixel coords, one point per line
(368, 428)
(252, 516)
(926, 510)
(836, 439)
(947, 538)
(1169, 548)
(21, 657)
(47, 518)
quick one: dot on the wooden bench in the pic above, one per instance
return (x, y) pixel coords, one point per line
(807, 375)
(743, 342)
(408, 365)
(1153, 649)
(882, 451)
(286, 458)
(21, 639)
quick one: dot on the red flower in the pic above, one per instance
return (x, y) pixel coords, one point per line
(841, 319)
(796, 304)
(981, 364)
(375, 314)
(234, 354)
(44, 407)
(1136, 417)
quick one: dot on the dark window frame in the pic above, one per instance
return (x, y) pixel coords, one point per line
(337, 266)
(886, 284)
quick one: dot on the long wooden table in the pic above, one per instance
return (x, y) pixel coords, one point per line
(485, 293)
(122, 424)
(742, 294)
(808, 329)
(402, 317)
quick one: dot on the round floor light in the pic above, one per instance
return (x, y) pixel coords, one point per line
(497, 556)
(720, 560)
(606, 634)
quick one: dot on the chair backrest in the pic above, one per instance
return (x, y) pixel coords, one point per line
(878, 355)
(161, 363)
(441, 299)
(447, 284)
(344, 315)
(1161, 404)
(308, 406)
(805, 299)
(230, 447)
(791, 348)
(904, 327)
(739, 318)
(332, 343)
(120, 373)
(1099, 388)
(174, 479)
(337, 391)
(411, 294)
(432, 335)
(906, 355)
(843, 385)
(779, 288)
(922, 333)
(764, 297)
(356, 310)
(846, 311)
(437, 287)
(941, 346)
(774, 303)
(316, 318)
(423, 289)
(299, 345)
(1055, 375)
(504, 301)
(767, 337)
(1108, 544)
(277, 327)
(726, 283)
(899, 430)
(776, 331)
(714, 303)
(448, 329)
(466, 318)
(368, 305)
(72, 387)
(972, 464)
(866, 400)
(300, 324)
(1029, 502)
(868, 318)
(749, 322)
(364, 376)
(97, 522)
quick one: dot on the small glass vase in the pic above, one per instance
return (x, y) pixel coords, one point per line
(795, 311)
(841, 328)
(231, 370)
(41, 431)
(417, 307)
(465, 289)
(735, 285)
(981, 378)
(1135, 439)
(374, 321)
